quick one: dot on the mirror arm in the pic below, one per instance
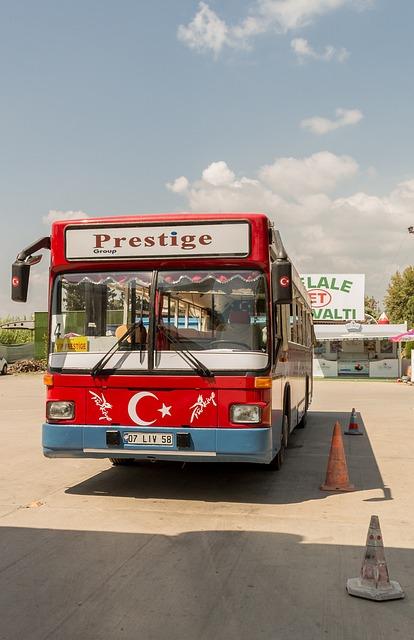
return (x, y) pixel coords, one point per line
(42, 243)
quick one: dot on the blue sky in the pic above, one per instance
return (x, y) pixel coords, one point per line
(304, 110)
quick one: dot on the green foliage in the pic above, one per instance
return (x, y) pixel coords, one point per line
(408, 347)
(75, 296)
(399, 301)
(372, 307)
(14, 336)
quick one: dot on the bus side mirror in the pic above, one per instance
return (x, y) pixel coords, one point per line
(20, 278)
(282, 282)
(20, 281)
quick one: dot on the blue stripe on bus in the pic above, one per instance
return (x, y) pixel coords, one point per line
(253, 445)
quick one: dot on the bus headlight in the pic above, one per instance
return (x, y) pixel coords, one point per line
(246, 413)
(60, 410)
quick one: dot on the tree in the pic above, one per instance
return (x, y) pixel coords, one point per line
(399, 300)
(372, 307)
(408, 347)
(75, 297)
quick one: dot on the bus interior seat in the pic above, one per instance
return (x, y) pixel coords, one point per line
(239, 329)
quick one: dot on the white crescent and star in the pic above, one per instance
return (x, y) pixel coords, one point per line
(133, 408)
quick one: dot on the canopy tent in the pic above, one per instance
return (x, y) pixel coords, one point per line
(407, 336)
(357, 331)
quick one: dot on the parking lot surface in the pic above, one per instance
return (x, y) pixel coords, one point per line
(199, 551)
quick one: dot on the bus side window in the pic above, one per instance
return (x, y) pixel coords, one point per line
(293, 323)
(306, 328)
(299, 323)
(277, 330)
(303, 325)
(312, 337)
(285, 325)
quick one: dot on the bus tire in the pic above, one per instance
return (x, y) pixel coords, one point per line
(302, 423)
(285, 430)
(122, 462)
(278, 460)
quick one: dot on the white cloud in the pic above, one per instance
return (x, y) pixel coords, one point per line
(218, 173)
(207, 32)
(179, 185)
(304, 51)
(355, 233)
(344, 118)
(292, 14)
(294, 184)
(63, 215)
(315, 174)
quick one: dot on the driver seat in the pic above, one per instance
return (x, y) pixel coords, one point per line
(239, 329)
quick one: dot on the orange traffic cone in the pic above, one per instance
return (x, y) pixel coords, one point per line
(353, 429)
(374, 582)
(337, 472)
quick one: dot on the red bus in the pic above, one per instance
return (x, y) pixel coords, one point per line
(172, 337)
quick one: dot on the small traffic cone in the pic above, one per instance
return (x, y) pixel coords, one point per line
(374, 582)
(337, 478)
(353, 429)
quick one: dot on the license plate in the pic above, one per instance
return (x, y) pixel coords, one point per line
(158, 439)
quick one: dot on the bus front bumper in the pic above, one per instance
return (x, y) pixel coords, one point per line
(214, 445)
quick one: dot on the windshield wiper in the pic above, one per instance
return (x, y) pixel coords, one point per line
(186, 355)
(100, 365)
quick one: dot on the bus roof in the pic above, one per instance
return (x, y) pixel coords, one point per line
(142, 218)
(154, 237)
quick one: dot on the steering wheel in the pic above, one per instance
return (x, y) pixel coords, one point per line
(239, 344)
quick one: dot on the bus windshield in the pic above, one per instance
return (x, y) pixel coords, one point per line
(211, 313)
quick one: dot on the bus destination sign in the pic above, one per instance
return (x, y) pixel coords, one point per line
(172, 240)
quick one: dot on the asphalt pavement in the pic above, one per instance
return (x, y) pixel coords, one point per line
(165, 551)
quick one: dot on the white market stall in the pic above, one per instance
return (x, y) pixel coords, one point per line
(357, 350)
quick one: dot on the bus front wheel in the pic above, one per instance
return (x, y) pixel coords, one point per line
(278, 460)
(302, 423)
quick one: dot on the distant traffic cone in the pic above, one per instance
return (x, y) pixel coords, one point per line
(353, 429)
(374, 582)
(337, 478)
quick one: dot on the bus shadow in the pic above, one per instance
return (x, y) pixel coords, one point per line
(298, 481)
(232, 585)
